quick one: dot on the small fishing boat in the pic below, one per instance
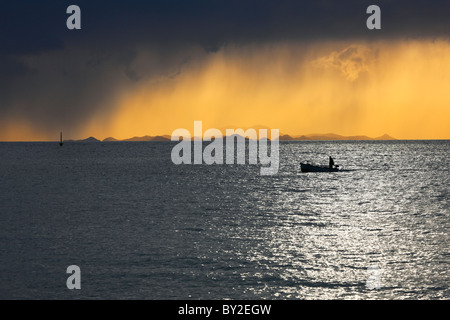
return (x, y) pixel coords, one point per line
(307, 167)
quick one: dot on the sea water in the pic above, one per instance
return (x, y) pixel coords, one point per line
(140, 227)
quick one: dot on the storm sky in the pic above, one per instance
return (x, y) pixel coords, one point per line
(149, 67)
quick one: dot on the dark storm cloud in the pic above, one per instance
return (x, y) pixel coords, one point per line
(57, 76)
(35, 26)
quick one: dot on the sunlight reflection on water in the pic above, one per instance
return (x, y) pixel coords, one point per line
(140, 227)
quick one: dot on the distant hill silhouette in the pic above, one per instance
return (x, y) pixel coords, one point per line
(283, 137)
(333, 136)
(90, 139)
(144, 138)
(110, 139)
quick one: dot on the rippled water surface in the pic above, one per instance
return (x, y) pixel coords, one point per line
(140, 227)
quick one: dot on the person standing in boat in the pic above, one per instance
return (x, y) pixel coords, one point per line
(331, 163)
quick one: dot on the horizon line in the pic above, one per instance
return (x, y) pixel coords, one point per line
(125, 140)
(301, 137)
(282, 136)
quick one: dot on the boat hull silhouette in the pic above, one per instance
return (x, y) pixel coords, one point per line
(307, 167)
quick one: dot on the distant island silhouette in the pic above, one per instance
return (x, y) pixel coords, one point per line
(283, 137)
(331, 136)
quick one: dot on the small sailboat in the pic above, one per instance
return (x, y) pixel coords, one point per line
(60, 139)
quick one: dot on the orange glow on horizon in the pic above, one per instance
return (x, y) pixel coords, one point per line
(20, 130)
(398, 88)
